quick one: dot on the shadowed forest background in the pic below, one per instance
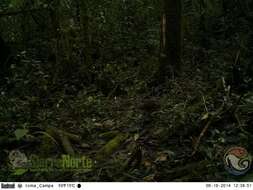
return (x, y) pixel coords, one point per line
(150, 90)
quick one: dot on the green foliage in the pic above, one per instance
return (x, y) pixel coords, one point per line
(86, 68)
(16, 3)
(20, 133)
(20, 172)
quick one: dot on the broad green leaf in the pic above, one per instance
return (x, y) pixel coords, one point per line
(20, 133)
(20, 171)
(204, 117)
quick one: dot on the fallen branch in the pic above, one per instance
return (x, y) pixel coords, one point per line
(66, 144)
(111, 146)
(209, 123)
(64, 138)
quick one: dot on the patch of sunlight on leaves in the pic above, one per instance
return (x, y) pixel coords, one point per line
(205, 116)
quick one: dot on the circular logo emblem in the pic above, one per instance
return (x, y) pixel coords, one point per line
(17, 159)
(237, 161)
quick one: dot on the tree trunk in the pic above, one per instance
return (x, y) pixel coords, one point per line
(85, 39)
(56, 34)
(171, 39)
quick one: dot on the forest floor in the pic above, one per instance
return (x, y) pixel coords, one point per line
(179, 135)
